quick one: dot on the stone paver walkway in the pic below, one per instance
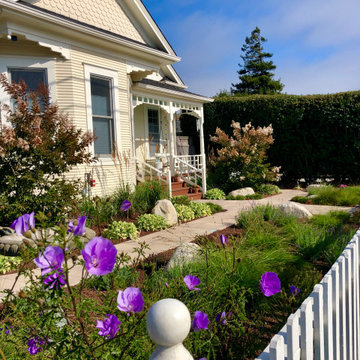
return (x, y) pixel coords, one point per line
(172, 237)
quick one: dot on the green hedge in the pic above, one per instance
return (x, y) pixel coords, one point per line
(315, 135)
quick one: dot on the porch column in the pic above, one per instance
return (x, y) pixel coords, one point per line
(132, 123)
(171, 131)
(202, 150)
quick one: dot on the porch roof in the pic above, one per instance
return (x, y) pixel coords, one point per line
(170, 89)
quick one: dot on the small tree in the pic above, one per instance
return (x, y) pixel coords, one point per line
(240, 160)
(255, 75)
(37, 147)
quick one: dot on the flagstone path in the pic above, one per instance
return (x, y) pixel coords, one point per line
(174, 236)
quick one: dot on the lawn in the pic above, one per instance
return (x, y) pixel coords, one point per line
(264, 240)
(330, 195)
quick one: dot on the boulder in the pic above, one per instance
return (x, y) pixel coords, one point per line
(6, 231)
(243, 192)
(166, 209)
(10, 243)
(312, 196)
(183, 254)
(295, 209)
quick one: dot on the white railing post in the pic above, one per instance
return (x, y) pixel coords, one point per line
(168, 323)
(169, 182)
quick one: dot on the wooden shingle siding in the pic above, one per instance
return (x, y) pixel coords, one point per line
(104, 14)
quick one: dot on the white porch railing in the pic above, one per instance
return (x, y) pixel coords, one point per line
(146, 171)
(191, 166)
(327, 325)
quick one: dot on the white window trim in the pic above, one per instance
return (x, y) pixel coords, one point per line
(7, 62)
(113, 75)
(146, 116)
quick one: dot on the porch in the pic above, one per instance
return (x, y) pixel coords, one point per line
(162, 150)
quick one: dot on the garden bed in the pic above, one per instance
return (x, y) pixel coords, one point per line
(264, 240)
(330, 195)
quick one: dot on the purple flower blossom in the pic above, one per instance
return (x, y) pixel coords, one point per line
(270, 283)
(109, 327)
(23, 223)
(223, 240)
(200, 322)
(202, 359)
(80, 227)
(51, 259)
(221, 318)
(130, 299)
(35, 345)
(55, 280)
(294, 290)
(7, 329)
(126, 205)
(343, 186)
(99, 255)
(192, 281)
(167, 285)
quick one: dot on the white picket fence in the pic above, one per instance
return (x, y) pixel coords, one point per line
(327, 325)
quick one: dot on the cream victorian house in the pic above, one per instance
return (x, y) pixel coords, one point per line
(109, 66)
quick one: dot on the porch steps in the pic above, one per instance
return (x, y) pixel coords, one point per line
(179, 188)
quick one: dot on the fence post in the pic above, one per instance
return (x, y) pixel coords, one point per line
(168, 323)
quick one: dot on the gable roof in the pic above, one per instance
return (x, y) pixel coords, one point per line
(126, 19)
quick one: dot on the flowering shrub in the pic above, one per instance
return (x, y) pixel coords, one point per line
(215, 194)
(200, 209)
(240, 160)
(151, 222)
(184, 213)
(121, 230)
(37, 147)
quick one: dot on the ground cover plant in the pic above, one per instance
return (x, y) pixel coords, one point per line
(331, 195)
(239, 291)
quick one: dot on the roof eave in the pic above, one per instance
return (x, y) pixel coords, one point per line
(152, 88)
(134, 46)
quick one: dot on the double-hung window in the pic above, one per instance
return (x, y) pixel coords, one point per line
(102, 114)
(153, 131)
(102, 104)
(32, 70)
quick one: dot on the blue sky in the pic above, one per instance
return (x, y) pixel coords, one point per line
(316, 43)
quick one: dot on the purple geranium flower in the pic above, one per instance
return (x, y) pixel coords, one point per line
(223, 239)
(99, 255)
(55, 280)
(200, 322)
(294, 290)
(126, 205)
(51, 259)
(192, 281)
(35, 345)
(270, 283)
(130, 299)
(23, 223)
(221, 318)
(80, 227)
(109, 327)
(7, 329)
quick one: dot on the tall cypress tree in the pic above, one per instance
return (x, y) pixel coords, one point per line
(255, 75)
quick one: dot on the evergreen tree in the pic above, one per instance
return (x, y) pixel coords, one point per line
(256, 74)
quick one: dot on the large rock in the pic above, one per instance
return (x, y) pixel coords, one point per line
(295, 209)
(10, 243)
(242, 192)
(166, 209)
(183, 254)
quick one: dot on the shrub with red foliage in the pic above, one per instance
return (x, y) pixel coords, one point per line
(38, 144)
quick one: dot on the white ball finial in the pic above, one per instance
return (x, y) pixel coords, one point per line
(168, 323)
